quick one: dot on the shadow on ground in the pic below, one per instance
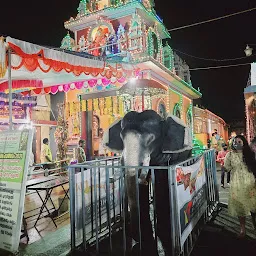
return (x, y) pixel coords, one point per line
(220, 238)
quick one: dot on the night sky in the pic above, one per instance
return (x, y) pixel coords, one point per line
(41, 22)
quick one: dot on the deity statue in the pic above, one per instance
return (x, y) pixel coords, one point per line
(100, 40)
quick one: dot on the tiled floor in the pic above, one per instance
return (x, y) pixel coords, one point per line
(45, 230)
(56, 241)
(44, 225)
(223, 192)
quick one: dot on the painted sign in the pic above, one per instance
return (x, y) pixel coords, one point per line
(18, 112)
(15, 148)
(191, 196)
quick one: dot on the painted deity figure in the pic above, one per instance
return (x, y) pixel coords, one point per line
(127, 105)
(99, 41)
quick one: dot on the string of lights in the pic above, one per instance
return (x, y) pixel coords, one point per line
(211, 20)
(217, 67)
(209, 59)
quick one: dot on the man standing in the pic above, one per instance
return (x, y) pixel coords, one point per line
(80, 154)
(214, 142)
(220, 158)
(217, 136)
(230, 141)
(46, 154)
(102, 149)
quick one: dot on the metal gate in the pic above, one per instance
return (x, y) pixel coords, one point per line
(158, 221)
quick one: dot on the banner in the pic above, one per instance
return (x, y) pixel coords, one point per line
(253, 74)
(15, 149)
(90, 201)
(191, 196)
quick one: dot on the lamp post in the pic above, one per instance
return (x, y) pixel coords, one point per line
(248, 51)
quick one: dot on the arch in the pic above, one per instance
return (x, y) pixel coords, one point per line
(168, 56)
(161, 109)
(189, 118)
(104, 25)
(177, 110)
(154, 44)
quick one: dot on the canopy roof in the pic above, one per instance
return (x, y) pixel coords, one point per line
(38, 70)
(35, 67)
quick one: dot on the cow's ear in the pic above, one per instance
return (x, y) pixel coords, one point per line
(112, 139)
(177, 137)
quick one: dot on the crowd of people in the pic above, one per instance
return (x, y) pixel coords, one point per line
(238, 160)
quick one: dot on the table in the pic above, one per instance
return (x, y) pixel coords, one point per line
(39, 181)
(48, 186)
(30, 183)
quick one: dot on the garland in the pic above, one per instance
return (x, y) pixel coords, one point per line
(38, 61)
(3, 66)
(22, 84)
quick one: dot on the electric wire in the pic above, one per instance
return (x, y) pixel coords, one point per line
(211, 20)
(217, 67)
(209, 59)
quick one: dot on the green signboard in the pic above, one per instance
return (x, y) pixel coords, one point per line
(15, 148)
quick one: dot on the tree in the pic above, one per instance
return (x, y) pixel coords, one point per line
(61, 134)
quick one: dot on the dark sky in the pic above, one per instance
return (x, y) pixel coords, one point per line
(41, 22)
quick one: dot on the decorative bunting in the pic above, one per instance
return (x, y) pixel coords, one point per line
(101, 105)
(3, 66)
(89, 104)
(115, 105)
(108, 106)
(96, 104)
(70, 86)
(83, 105)
(121, 106)
(25, 85)
(38, 60)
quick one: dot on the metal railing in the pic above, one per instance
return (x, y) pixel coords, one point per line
(112, 212)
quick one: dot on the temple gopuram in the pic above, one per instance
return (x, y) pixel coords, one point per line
(125, 32)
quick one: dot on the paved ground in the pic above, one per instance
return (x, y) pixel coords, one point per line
(218, 238)
(223, 192)
(49, 240)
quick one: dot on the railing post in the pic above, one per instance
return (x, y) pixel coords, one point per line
(83, 208)
(71, 172)
(214, 171)
(138, 206)
(108, 208)
(173, 211)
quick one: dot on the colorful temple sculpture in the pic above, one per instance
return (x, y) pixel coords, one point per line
(250, 104)
(205, 122)
(124, 32)
(119, 60)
